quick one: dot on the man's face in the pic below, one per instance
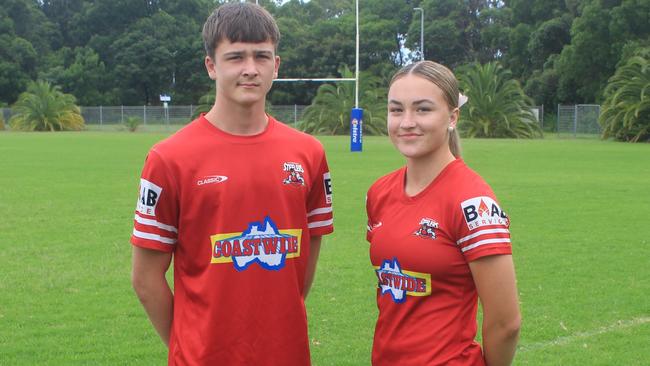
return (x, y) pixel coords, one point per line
(244, 72)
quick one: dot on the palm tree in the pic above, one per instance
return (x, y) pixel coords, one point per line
(497, 104)
(44, 107)
(626, 111)
(205, 104)
(329, 112)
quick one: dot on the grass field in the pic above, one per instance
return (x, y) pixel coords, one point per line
(579, 211)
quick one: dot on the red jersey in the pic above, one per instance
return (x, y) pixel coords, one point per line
(238, 213)
(420, 247)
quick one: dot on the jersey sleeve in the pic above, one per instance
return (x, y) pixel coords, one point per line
(155, 224)
(482, 227)
(320, 219)
(369, 214)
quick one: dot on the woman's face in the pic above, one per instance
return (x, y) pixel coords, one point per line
(419, 117)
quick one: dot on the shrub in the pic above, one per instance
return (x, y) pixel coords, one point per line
(44, 107)
(132, 123)
(497, 105)
(626, 110)
(329, 112)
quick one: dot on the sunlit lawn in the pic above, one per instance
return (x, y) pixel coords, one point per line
(579, 213)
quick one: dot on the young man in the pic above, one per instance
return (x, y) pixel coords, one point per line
(240, 201)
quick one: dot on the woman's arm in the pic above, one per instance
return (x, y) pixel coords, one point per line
(494, 277)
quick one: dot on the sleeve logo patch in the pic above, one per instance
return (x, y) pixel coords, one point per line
(149, 197)
(483, 211)
(327, 185)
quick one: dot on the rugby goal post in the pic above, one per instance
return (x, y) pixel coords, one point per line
(356, 114)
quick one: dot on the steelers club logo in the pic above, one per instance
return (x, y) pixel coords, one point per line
(262, 243)
(294, 173)
(427, 228)
(483, 211)
(399, 283)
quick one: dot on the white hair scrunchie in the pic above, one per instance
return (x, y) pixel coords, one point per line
(462, 99)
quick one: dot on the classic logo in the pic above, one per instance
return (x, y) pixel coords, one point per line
(483, 211)
(210, 179)
(427, 228)
(399, 283)
(260, 243)
(149, 196)
(295, 173)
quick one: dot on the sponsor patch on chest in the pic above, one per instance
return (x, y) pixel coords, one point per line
(262, 243)
(400, 283)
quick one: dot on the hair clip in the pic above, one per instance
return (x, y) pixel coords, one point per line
(462, 99)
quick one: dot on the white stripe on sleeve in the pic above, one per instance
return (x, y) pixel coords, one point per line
(481, 232)
(321, 210)
(155, 237)
(316, 224)
(486, 241)
(155, 223)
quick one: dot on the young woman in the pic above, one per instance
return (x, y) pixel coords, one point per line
(439, 239)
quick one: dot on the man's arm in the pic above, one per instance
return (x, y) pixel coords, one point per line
(150, 284)
(314, 250)
(494, 277)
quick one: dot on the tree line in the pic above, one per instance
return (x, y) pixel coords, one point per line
(111, 52)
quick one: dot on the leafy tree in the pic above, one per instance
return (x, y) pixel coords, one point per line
(79, 72)
(542, 86)
(497, 105)
(30, 23)
(626, 111)
(18, 58)
(329, 112)
(143, 59)
(517, 59)
(534, 12)
(17, 65)
(44, 107)
(548, 39)
(598, 37)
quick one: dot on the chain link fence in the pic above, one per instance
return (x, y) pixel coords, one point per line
(580, 120)
(158, 117)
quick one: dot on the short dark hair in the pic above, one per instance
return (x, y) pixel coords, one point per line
(239, 22)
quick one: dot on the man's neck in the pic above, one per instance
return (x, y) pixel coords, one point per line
(236, 119)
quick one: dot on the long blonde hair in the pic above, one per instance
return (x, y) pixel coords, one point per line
(444, 79)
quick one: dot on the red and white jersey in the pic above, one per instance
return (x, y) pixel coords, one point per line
(238, 213)
(420, 247)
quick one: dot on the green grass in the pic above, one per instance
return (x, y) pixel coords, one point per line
(579, 212)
